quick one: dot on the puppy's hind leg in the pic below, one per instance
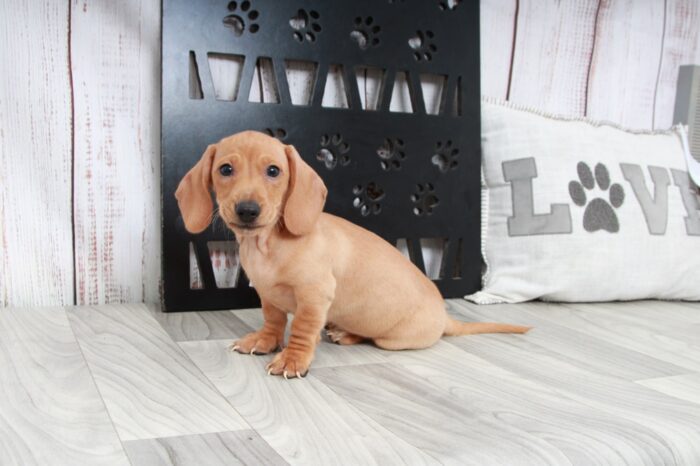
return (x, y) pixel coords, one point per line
(341, 337)
(421, 329)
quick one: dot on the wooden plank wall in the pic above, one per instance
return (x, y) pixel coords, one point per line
(79, 120)
(115, 61)
(36, 255)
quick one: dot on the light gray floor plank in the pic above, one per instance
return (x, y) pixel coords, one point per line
(433, 420)
(303, 420)
(591, 384)
(675, 421)
(243, 447)
(685, 387)
(653, 320)
(607, 322)
(150, 387)
(204, 325)
(572, 432)
(684, 311)
(50, 409)
(563, 331)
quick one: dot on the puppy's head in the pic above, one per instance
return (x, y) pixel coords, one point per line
(258, 181)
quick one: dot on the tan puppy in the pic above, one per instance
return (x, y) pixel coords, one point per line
(321, 268)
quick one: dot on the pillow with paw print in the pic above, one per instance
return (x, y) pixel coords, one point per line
(574, 210)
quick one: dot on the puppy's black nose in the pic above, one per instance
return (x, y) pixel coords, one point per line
(247, 211)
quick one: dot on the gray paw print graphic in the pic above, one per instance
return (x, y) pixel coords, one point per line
(599, 213)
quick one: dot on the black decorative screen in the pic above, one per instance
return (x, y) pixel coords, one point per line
(407, 170)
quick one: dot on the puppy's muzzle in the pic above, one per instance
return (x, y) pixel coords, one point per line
(247, 212)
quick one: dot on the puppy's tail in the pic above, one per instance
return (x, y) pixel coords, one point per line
(456, 327)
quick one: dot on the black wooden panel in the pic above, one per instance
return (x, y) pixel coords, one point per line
(401, 175)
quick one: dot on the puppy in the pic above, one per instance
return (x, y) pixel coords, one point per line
(321, 268)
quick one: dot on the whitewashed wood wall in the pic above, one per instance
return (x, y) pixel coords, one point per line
(79, 120)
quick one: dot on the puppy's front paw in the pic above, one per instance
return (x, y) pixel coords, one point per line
(256, 343)
(290, 364)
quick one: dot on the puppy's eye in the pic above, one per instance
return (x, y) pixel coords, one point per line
(226, 170)
(273, 171)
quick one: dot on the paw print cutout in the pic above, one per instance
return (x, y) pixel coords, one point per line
(391, 153)
(599, 213)
(305, 25)
(445, 157)
(448, 4)
(278, 133)
(367, 198)
(333, 151)
(424, 199)
(242, 18)
(422, 45)
(365, 34)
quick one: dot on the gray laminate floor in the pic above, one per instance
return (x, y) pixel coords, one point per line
(125, 384)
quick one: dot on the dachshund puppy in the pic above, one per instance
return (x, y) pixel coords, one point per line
(325, 270)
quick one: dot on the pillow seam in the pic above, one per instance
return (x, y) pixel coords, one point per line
(583, 119)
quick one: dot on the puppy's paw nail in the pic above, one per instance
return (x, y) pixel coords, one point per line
(252, 351)
(269, 372)
(234, 347)
(298, 375)
(285, 375)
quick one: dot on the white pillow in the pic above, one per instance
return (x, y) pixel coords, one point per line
(575, 210)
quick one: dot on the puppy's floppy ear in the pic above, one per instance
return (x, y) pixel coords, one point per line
(306, 195)
(193, 196)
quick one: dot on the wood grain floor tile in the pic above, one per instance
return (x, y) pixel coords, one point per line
(150, 387)
(675, 422)
(570, 431)
(303, 420)
(204, 325)
(50, 409)
(644, 319)
(650, 336)
(591, 384)
(677, 311)
(429, 418)
(685, 387)
(329, 354)
(568, 334)
(243, 447)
